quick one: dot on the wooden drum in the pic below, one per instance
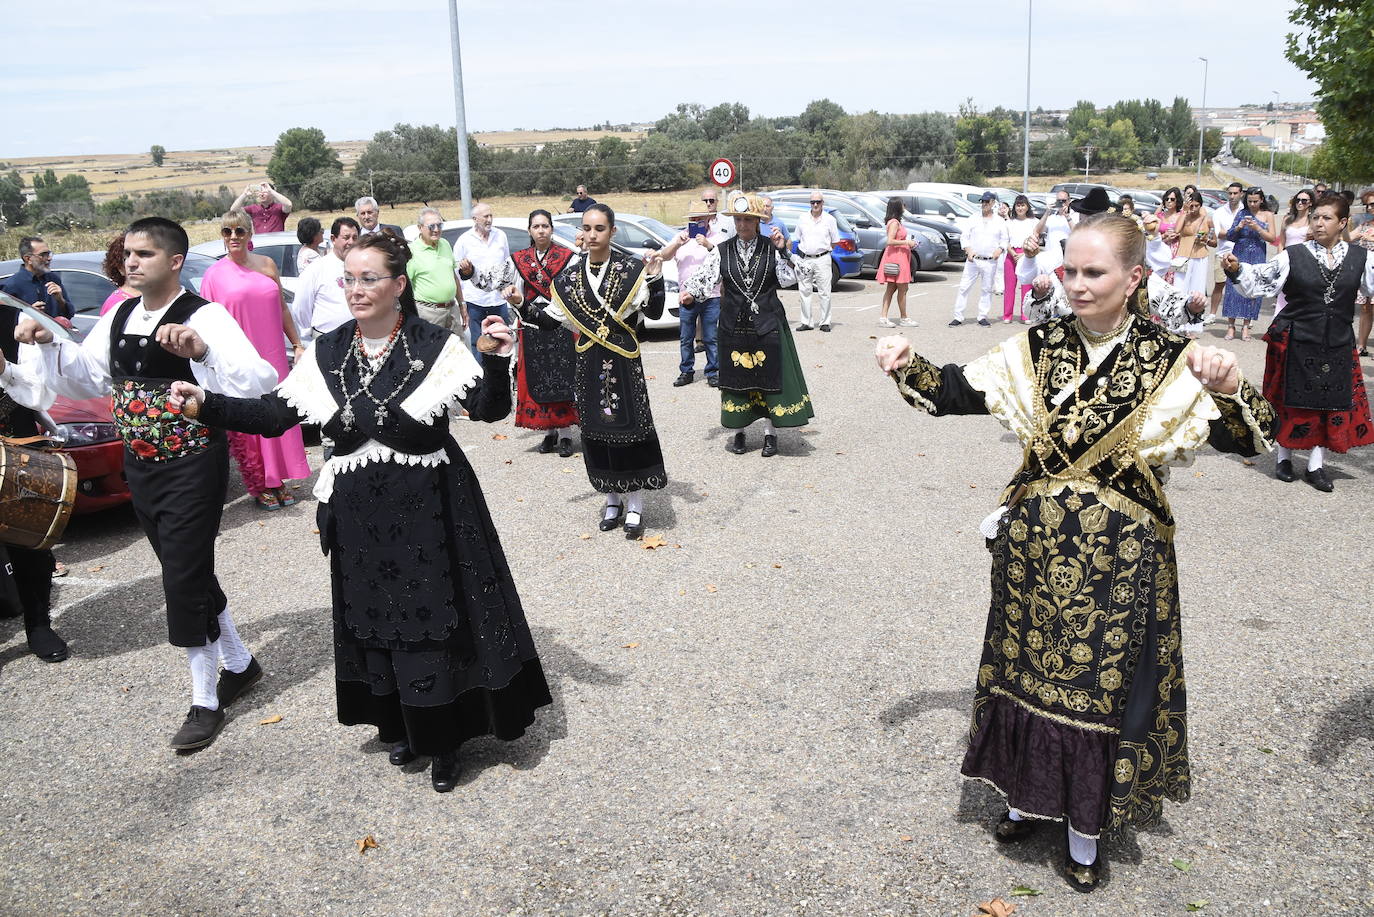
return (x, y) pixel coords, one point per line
(37, 493)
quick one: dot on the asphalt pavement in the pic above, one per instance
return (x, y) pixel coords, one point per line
(763, 716)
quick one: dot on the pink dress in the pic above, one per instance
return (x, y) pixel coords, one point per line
(114, 299)
(254, 300)
(1169, 224)
(896, 254)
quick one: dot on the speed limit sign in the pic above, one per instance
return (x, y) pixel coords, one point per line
(723, 172)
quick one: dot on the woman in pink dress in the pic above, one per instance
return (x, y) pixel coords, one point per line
(894, 267)
(1169, 216)
(249, 286)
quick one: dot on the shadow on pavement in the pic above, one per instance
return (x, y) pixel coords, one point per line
(913, 705)
(1350, 721)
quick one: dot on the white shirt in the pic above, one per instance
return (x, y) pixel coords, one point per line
(985, 235)
(816, 236)
(231, 365)
(486, 255)
(23, 381)
(319, 305)
(722, 225)
(1222, 220)
(1019, 230)
(1057, 227)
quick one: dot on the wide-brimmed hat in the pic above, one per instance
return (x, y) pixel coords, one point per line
(699, 209)
(746, 205)
(1095, 201)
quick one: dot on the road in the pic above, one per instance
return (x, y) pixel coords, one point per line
(764, 716)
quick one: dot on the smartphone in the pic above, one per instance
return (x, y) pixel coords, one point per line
(697, 229)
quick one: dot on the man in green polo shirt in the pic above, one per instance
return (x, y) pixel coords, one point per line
(431, 272)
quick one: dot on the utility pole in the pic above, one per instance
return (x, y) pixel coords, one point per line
(464, 178)
(1202, 121)
(1275, 132)
(1087, 160)
(1025, 130)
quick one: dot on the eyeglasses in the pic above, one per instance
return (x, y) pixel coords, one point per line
(238, 232)
(708, 200)
(46, 256)
(434, 227)
(367, 281)
(817, 203)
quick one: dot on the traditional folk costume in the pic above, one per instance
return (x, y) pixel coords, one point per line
(177, 468)
(1078, 713)
(760, 375)
(25, 573)
(430, 640)
(544, 372)
(619, 443)
(1311, 368)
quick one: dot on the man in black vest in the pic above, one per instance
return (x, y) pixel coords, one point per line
(177, 468)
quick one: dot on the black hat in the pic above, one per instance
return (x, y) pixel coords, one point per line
(1095, 201)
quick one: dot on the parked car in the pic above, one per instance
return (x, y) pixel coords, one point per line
(86, 426)
(631, 230)
(954, 211)
(931, 249)
(844, 254)
(870, 233)
(1145, 201)
(518, 237)
(1079, 190)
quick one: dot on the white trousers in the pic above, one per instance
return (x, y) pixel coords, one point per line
(813, 279)
(980, 269)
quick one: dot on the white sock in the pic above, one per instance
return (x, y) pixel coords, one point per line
(634, 503)
(1283, 454)
(1015, 815)
(565, 432)
(204, 662)
(768, 428)
(1314, 461)
(235, 655)
(1082, 849)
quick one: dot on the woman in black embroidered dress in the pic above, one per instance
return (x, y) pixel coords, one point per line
(430, 640)
(1078, 714)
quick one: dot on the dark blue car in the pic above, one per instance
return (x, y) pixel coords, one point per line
(844, 255)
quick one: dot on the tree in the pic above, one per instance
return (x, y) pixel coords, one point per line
(299, 155)
(1079, 117)
(331, 191)
(819, 116)
(989, 142)
(1181, 130)
(658, 167)
(408, 159)
(723, 120)
(159, 153)
(69, 189)
(12, 198)
(922, 138)
(1332, 47)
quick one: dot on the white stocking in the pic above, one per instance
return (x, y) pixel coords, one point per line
(1314, 461)
(204, 662)
(1015, 815)
(612, 508)
(634, 503)
(1082, 849)
(235, 655)
(1283, 454)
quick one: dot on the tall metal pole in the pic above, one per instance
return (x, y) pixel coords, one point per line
(1202, 121)
(1275, 133)
(1025, 130)
(464, 177)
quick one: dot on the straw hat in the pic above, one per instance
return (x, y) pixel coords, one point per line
(746, 205)
(698, 210)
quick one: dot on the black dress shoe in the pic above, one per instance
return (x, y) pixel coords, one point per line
(683, 379)
(232, 685)
(1009, 831)
(1318, 479)
(565, 447)
(46, 645)
(401, 754)
(984, 323)
(803, 327)
(736, 444)
(548, 443)
(1082, 878)
(770, 445)
(443, 772)
(634, 530)
(1284, 472)
(956, 323)
(201, 726)
(713, 381)
(610, 522)
(825, 327)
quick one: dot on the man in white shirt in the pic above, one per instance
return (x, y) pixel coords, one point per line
(320, 306)
(1222, 220)
(817, 233)
(1058, 221)
(479, 250)
(985, 241)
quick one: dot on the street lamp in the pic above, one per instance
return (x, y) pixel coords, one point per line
(1273, 134)
(1202, 121)
(464, 177)
(1025, 130)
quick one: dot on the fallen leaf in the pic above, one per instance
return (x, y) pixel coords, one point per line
(872, 337)
(1247, 462)
(519, 499)
(1025, 891)
(920, 455)
(508, 461)
(818, 365)
(261, 524)
(1197, 905)
(996, 908)
(584, 536)
(314, 531)
(567, 471)
(1181, 865)
(629, 646)
(365, 843)
(682, 592)
(750, 566)
(653, 377)
(777, 566)
(1199, 474)
(907, 838)
(973, 487)
(126, 688)
(710, 587)
(274, 718)
(653, 541)
(839, 453)
(97, 568)
(499, 436)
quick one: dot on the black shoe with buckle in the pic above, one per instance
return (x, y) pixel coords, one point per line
(611, 522)
(201, 726)
(1284, 472)
(548, 443)
(1318, 479)
(401, 754)
(1009, 831)
(684, 379)
(770, 445)
(634, 530)
(1082, 878)
(443, 772)
(736, 443)
(232, 685)
(565, 447)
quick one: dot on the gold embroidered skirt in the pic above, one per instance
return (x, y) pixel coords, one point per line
(790, 407)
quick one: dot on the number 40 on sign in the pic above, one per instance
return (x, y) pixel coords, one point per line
(723, 172)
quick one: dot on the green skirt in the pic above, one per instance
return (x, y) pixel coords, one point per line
(790, 407)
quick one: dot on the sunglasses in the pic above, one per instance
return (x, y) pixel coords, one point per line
(434, 227)
(817, 203)
(238, 232)
(708, 200)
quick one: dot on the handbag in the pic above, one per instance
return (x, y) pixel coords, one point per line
(891, 269)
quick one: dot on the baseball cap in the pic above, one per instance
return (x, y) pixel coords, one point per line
(987, 196)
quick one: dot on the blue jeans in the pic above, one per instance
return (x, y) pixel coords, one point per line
(708, 313)
(475, 316)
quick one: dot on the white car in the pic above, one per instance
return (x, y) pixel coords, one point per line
(518, 237)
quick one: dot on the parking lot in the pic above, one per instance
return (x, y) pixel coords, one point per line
(763, 716)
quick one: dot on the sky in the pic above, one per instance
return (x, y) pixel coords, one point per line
(118, 77)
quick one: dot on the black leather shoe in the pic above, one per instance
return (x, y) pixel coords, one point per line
(736, 444)
(46, 645)
(1082, 878)
(956, 323)
(1319, 480)
(1009, 831)
(713, 381)
(1284, 472)
(984, 323)
(201, 726)
(606, 524)
(700, 348)
(548, 443)
(825, 327)
(770, 446)
(401, 754)
(232, 685)
(803, 327)
(634, 530)
(565, 447)
(443, 772)
(683, 379)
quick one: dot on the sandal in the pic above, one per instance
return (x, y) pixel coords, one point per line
(59, 569)
(1245, 334)
(285, 497)
(1230, 334)
(268, 500)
